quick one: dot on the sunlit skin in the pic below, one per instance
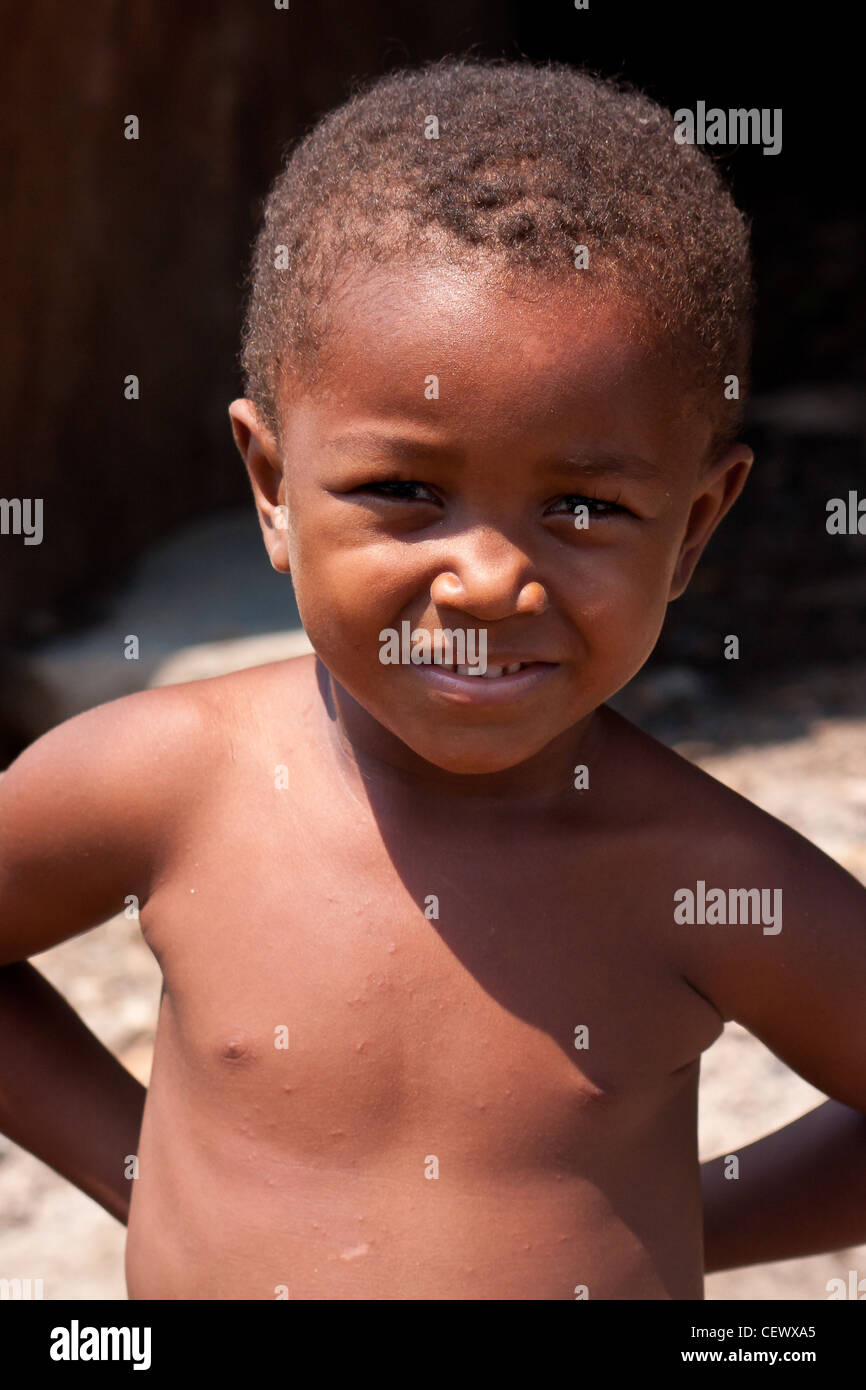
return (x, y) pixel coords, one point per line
(459, 512)
(493, 1023)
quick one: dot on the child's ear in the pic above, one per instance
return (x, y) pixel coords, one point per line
(259, 450)
(717, 491)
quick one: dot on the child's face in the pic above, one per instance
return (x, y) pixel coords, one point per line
(451, 505)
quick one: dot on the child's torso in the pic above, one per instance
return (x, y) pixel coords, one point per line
(366, 1083)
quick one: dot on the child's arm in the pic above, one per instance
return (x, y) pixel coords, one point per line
(83, 816)
(802, 991)
(800, 1191)
(63, 1095)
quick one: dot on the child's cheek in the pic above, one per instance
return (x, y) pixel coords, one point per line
(619, 613)
(343, 607)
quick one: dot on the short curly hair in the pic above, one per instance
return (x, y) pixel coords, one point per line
(531, 162)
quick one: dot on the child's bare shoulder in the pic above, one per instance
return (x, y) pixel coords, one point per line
(706, 821)
(781, 946)
(152, 740)
(699, 830)
(88, 811)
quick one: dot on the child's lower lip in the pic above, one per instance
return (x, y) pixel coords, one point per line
(479, 690)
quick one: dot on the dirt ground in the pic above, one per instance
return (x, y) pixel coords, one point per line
(799, 751)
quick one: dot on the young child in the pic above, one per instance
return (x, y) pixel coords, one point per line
(443, 938)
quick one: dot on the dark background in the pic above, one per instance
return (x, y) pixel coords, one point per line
(123, 256)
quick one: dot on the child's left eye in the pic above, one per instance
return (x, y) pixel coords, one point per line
(400, 491)
(596, 506)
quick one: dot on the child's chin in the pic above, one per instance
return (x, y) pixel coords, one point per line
(473, 757)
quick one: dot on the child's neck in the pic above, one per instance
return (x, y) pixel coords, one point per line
(368, 753)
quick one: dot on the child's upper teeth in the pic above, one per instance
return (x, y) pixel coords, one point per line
(491, 671)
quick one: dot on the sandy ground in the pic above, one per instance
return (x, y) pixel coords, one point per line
(816, 781)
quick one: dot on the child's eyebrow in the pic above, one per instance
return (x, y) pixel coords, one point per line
(597, 464)
(406, 448)
(400, 447)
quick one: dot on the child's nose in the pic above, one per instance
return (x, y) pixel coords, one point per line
(489, 582)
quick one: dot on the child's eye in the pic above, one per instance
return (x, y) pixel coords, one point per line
(399, 491)
(596, 506)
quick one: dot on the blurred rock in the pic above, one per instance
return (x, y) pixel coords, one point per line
(218, 658)
(209, 583)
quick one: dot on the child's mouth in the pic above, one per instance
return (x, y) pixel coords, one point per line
(498, 681)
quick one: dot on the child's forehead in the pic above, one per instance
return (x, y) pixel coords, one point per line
(437, 340)
(433, 290)
(466, 364)
(444, 320)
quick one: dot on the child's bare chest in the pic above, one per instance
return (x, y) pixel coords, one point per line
(347, 995)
